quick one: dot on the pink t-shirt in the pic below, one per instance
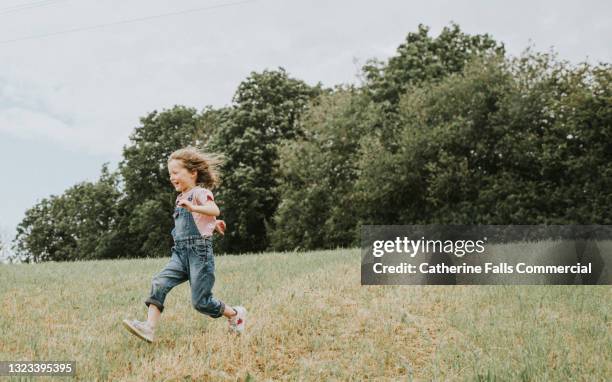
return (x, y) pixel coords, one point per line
(205, 223)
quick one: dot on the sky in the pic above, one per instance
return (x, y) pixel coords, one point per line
(73, 87)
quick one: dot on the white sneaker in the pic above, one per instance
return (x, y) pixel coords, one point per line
(140, 329)
(237, 322)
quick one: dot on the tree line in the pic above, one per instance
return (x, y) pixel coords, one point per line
(448, 130)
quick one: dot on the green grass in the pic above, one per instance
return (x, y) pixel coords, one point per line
(309, 319)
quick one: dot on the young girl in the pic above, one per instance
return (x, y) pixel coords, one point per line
(193, 174)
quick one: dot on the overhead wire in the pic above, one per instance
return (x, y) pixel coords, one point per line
(127, 21)
(26, 6)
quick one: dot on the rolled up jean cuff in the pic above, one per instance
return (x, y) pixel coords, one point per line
(221, 310)
(158, 304)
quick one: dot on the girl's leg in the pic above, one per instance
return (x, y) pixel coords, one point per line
(153, 316)
(173, 274)
(202, 279)
(229, 312)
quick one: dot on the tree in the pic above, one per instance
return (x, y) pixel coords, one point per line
(318, 169)
(421, 58)
(79, 224)
(266, 109)
(523, 141)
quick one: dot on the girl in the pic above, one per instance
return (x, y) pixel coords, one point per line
(193, 174)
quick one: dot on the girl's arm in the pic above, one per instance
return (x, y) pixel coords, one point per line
(220, 227)
(208, 208)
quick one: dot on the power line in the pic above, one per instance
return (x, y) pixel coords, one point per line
(128, 21)
(21, 7)
(25, 4)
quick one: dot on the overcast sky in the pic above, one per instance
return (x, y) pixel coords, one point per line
(69, 101)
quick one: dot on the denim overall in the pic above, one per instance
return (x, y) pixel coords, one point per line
(192, 259)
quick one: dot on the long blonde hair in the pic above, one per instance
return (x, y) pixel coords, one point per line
(207, 165)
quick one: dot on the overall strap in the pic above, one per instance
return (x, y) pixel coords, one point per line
(188, 229)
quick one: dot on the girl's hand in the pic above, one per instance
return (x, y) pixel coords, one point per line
(220, 227)
(186, 204)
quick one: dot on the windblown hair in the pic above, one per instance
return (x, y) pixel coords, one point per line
(207, 164)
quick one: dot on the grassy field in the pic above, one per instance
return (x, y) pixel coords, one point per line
(309, 319)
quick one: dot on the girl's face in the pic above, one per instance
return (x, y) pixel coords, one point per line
(180, 178)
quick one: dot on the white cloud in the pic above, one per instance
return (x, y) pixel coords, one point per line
(34, 125)
(86, 90)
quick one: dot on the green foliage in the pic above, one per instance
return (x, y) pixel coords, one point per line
(320, 206)
(79, 224)
(521, 142)
(422, 58)
(266, 109)
(317, 172)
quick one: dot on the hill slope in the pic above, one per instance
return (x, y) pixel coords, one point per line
(309, 319)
